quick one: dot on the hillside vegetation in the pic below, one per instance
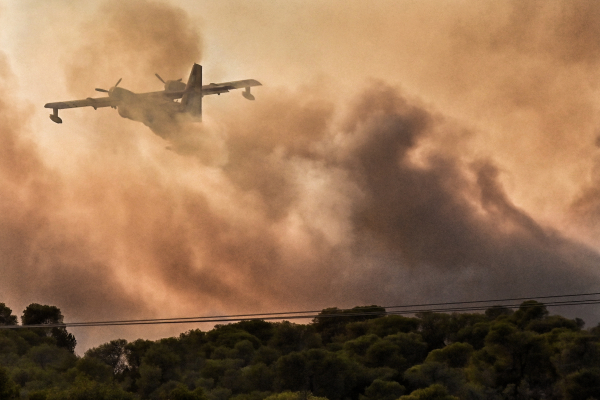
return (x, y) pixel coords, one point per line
(501, 354)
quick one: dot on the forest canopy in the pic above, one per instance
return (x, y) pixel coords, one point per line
(360, 354)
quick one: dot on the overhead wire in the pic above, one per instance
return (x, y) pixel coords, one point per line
(473, 305)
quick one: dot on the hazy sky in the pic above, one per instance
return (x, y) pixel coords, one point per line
(398, 151)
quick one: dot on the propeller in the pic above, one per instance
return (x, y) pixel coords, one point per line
(163, 81)
(106, 91)
(171, 85)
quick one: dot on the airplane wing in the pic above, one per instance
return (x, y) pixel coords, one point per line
(89, 102)
(218, 88)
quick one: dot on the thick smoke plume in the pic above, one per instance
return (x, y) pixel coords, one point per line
(302, 200)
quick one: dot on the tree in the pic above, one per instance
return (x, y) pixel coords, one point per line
(433, 392)
(294, 396)
(135, 351)
(289, 337)
(6, 317)
(95, 369)
(181, 392)
(434, 329)
(399, 351)
(149, 380)
(258, 377)
(359, 346)
(113, 353)
(329, 374)
(384, 390)
(261, 329)
(473, 334)
(332, 322)
(528, 311)
(46, 355)
(37, 314)
(429, 373)
(584, 384)
(292, 372)
(85, 389)
(392, 324)
(553, 322)
(229, 335)
(575, 350)
(160, 355)
(497, 311)
(8, 388)
(455, 355)
(518, 355)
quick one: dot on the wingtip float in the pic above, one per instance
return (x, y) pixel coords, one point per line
(141, 107)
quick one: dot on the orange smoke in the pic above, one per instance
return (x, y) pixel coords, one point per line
(340, 190)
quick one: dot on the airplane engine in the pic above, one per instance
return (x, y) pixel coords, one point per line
(174, 86)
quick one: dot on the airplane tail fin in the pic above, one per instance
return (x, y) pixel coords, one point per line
(191, 102)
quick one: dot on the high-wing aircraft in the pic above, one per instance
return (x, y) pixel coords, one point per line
(153, 106)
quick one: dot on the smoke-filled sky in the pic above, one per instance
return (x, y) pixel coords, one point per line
(397, 152)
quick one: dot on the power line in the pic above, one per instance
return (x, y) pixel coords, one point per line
(413, 309)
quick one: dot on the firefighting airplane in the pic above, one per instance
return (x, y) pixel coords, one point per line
(151, 106)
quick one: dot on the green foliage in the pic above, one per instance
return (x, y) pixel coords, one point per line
(48, 356)
(584, 384)
(528, 312)
(329, 327)
(135, 351)
(520, 355)
(181, 392)
(574, 351)
(257, 378)
(8, 388)
(37, 314)
(433, 392)
(382, 327)
(455, 355)
(266, 355)
(290, 337)
(262, 330)
(85, 389)
(496, 355)
(229, 335)
(6, 317)
(292, 372)
(398, 351)
(495, 312)
(384, 390)
(330, 375)
(94, 369)
(434, 329)
(162, 357)
(114, 354)
(473, 334)
(294, 396)
(149, 380)
(430, 373)
(360, 345)
(549, 323)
